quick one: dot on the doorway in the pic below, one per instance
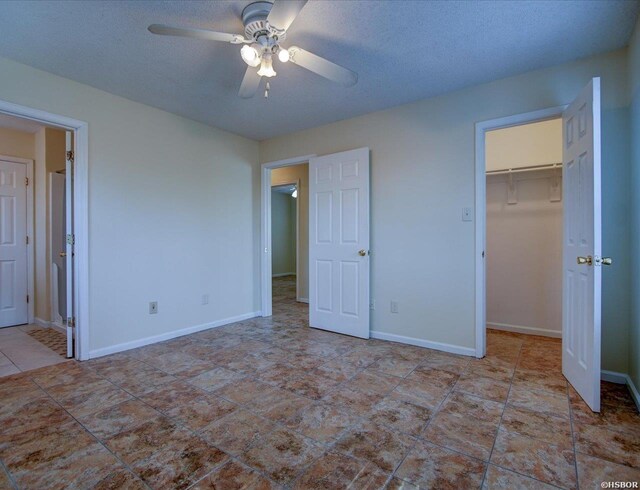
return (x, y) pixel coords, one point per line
(338, 240)
(524, 229)
(66, 141)
(581, 235)
(286, 234)
(524, 249)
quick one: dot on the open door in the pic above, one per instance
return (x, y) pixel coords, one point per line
(339, 242)
(582, 245)
(69, 245)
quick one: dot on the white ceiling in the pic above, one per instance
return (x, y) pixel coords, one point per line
(402, 50)
(19, 124)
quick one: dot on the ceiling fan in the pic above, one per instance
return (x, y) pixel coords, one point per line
(265, 28)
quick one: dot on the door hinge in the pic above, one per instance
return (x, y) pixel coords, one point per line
(71, 239)
(71, 322)
(70, 156)
(26, 181)
(27, 299)
(27, 240)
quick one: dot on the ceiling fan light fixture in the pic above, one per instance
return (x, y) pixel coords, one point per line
(283, 55)
(266, 68)
(250, 55)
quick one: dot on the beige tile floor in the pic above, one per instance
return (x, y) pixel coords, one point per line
(21, 352)
(271, 403)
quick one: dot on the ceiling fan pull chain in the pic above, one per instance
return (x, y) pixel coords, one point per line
(266, 91)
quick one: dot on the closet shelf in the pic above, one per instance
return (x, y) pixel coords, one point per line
(548, 166)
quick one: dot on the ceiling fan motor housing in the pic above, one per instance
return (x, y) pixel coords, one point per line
(254, 18)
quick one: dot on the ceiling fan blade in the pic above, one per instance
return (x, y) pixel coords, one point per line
(322, 67)
(284, 12)
(250, 83)
(196, 33)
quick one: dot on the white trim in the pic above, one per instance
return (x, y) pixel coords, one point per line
(544, 332)
(453, 349)
(60, 328)
(265, 227)
(81, 211)
(31, 270)
(303, 300)
(283, 274)
(622, 379)
(613, 377)
(43, 323)
(105, 351)
(40, 322)
(481, 209)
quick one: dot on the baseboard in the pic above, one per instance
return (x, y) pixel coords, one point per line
(622, 379)
(105, 351)
(282, 274)
(526, 330)
(59, 327)
(453, 349)
(47, 324)
(302, 300)
(41, 322)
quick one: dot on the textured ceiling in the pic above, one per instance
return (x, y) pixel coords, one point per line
(402, 50)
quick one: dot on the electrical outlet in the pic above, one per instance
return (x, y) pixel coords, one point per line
(372, 304)
(205, 299)
(153, 307)
(394, 307)
(466, 214)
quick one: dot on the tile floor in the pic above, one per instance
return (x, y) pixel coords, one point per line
(271, 403)
(21, 352)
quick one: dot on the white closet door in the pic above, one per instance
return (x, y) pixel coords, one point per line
(582, 245)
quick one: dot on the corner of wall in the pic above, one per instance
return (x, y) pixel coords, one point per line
(634, 87)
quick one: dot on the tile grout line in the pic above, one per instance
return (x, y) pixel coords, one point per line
(504, 408)
(9, 475)
(573, 437)
(91, 433)
(277, 424)
(428, 423)
(172, 419)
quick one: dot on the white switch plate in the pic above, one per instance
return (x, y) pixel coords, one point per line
(466, 214)
(372, 304)
(205, 299)
(153, 308)
(394, 307)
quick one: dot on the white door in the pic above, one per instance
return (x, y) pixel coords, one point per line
(339, 242)
(70, 242)
(581, 259)
(13, 244)
(57, 183)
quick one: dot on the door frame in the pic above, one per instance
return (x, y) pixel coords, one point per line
(481, 128)
(31, 272)
(297, 183)
(265, 228)
(80, 209)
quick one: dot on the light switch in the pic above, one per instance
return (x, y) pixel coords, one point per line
(466, 214)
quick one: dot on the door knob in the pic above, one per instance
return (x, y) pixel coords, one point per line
(607, 261)
(362, 252)
(63, 254)
(585, 260)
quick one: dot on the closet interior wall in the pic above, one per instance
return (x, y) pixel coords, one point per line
(524, 229)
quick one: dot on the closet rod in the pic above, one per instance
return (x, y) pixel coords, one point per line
(548, 166)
